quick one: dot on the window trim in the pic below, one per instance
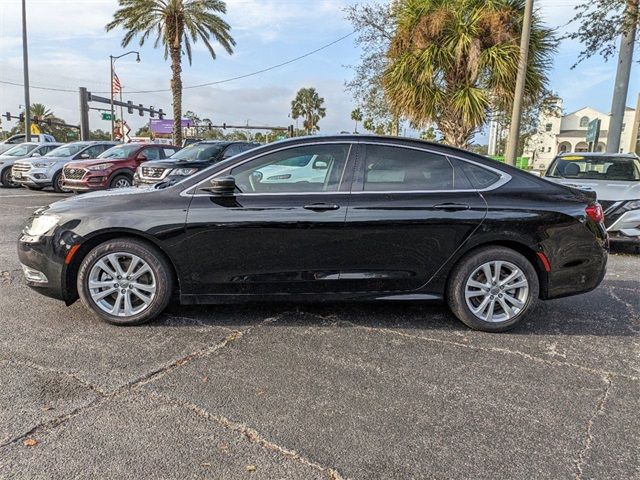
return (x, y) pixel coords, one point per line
(504, 177)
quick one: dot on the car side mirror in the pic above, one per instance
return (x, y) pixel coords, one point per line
(36, 154)
(222, 186)
(320, 165)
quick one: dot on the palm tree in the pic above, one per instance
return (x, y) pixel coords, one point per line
(450, 61)
(356, 116)
(174, 23)
(308, 105)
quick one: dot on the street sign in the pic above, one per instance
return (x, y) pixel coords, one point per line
(593, 131)
(106, 116)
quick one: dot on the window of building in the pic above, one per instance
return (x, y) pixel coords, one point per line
(584, 122)
(548, 127)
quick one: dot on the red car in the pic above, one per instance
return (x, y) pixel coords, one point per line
(114, 168)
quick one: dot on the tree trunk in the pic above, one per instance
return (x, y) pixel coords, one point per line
(176, 91)
(455, 134)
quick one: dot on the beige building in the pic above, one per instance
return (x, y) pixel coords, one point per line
(567, 133)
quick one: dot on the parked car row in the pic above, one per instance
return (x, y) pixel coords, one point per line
(97, 165)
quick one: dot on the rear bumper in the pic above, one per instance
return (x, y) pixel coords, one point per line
(569, 279)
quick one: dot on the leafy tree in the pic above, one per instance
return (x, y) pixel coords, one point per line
(308, 105)
(99, 134)
(602, 23)
(175, 24)
(375, 30)
(356, 116)
(144, 131)
(430, 135)
(450, 61)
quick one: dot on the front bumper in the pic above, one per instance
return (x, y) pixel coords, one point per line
(36, 177)
(98, 181)
(626, 228)
(39, 256)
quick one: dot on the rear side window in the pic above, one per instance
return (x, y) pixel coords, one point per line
(479, 177)
(168, 151)
(403, 169)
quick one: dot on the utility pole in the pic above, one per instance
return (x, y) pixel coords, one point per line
(518, 97)
(625, 59)
(25, 68)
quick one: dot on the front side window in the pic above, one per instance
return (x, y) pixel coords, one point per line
(119, 152)
(67, 150)
(305, 169)
(152, 153)
(21, 150)
(402, 169)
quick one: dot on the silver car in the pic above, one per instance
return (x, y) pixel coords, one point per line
(46, 171)
(616, 180)
(21, 152)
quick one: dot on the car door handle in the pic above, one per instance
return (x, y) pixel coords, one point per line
(451, 207)
(322, 207)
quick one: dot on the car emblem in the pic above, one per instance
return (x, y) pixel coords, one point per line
(73, 170)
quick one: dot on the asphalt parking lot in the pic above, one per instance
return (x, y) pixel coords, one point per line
(322, 391)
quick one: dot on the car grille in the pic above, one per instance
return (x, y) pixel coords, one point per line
(21, 167)
(152, 172)
(74, 173)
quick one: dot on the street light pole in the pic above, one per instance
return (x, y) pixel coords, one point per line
(112, 60)
(25, 67)
(518, 97)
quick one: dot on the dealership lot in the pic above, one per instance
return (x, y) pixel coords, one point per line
(391, 390)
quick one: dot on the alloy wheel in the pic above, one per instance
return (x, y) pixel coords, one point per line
(122, 284)
(497, 291)
(122, 183)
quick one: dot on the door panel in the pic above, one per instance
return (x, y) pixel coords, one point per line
(408, 234)
(275, 236)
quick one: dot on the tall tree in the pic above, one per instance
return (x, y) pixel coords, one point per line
(175, 24)
(308, 105)
(356, 116)
(602, 22)
(450, 61)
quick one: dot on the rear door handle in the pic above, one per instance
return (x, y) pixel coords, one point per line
(322, 207)
(451, 207)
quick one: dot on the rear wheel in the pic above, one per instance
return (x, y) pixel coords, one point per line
(492, 289)
(125, 282)
(120, 181)
(6, 179)
(57, 183)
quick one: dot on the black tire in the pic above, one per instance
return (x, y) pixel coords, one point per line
(57, 184)
(470, 265)
(121, 178)
(6, 180)
(160, 267)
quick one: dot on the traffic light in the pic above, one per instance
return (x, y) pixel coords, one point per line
(141, 109)
(49, 122)
(152, 112)
(21, 117)
(210, 126)
(36, 120)
(160, 114)
(224, 126)
(129, 106)
(7, 116)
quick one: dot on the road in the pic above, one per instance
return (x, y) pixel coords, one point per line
(360, 391)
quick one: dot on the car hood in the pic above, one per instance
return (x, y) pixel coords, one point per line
(93, 161)
(177, 164)
(609, 190)
(100, 198)
(48, 159)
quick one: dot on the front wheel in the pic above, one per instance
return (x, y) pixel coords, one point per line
(120, 181)
(492, 289)
(6, 180)
(58, 183)
(125, 282)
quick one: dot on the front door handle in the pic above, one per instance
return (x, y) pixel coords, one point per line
(451, 207)
(322, 207)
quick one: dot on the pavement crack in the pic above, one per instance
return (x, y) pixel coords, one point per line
(588, 439)
(250, 434)
(501, 350)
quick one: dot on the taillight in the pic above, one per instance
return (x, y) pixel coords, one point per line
(595, 213)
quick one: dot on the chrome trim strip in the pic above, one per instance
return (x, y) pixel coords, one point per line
(504, 177)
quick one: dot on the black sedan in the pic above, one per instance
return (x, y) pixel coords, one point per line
(192, 158)
(325, 218)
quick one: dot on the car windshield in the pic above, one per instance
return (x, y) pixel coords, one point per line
(197, 152)
(20, 150)
(596, 168)
(66, 150)
(119, 151)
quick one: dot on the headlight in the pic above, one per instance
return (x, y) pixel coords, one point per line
(42, 164)
(631, 205)
(183, 172)
(100, 166)
(41, 225)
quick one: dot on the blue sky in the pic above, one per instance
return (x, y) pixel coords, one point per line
(68, 47)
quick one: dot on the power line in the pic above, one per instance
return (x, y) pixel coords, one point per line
(208, 84)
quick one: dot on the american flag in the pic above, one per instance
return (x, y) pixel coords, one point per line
(116, 83)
